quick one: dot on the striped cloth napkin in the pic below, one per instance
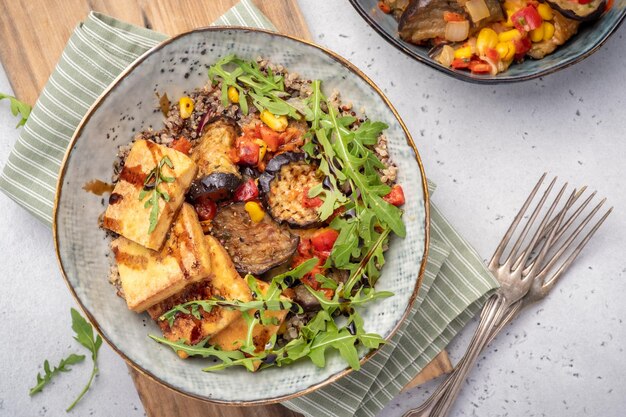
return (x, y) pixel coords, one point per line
(455, 284)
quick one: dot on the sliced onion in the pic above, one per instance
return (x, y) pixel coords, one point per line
(477, 10)
(446, 56)
(457, 31)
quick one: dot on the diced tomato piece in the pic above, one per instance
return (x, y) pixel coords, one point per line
(526, 19)
(492, 54)
(305, 248)
(479, 67)
(248, 153)
(324, 240)
(310, 202)
(395, 196)
(246, 191)
(522, 46)
(206, 208)
(459, 63)
(384, 7)
(453, 17)
(271, 138)
(181, 145)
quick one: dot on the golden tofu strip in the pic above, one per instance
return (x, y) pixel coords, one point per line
(149, 277)
(224, 282)
(127, 214)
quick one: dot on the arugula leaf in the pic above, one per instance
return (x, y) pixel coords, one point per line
(18, 107)
(63, 366)
(342, 340)
(85, 336)
(151, 187)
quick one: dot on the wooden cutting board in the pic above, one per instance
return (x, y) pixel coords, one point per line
(34, 33)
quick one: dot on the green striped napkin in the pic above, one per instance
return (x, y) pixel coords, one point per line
(455, 283)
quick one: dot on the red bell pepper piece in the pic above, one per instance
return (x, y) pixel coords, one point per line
(526, 19)
(459, 63)
(248, 153)
(396, 195)
(246, 191)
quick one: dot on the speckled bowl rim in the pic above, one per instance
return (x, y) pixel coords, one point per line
(463, 76)
(93, 109)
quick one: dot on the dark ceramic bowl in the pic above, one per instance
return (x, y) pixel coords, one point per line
(589, 39)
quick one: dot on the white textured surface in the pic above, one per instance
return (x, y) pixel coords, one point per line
(563, 357)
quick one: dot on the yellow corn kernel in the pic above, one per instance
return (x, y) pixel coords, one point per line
(506, 50)
(536, 35)
(548, 30)
(233, 94)
(186, 107)
(262, 148)
(509, 35)
(464, 52)
(545, 11)
(487, 39)
(276, 123)
(255, 211)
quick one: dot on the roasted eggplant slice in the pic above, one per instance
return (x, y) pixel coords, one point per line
(423, 20)
(572, 9)
(285, 184)
(216, 186)
(253, 247)
(564, 29)
(212, 152)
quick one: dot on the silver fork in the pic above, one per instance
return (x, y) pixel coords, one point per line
(524, 280)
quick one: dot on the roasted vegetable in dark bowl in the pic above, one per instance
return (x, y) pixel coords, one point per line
(446, 35)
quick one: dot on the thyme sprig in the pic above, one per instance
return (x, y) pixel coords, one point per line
(151, 188)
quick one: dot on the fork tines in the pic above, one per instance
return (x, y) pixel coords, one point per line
(559, 237)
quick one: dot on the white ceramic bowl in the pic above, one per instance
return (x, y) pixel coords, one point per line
(128, 106)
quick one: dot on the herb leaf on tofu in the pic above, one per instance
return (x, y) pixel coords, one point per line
(151, 188)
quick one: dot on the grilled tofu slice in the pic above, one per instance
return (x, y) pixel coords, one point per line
(127, 215)
(148, 276)
(233, 336)
(224, 282)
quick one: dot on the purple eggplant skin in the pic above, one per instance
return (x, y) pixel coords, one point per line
(581, 12)
(217, 186)
(274, 166)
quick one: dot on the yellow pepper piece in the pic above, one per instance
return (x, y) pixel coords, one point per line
(536, 35)
(276, 123)
(186, 107)
(262, 148)
(233, 94)
(487, 39)
(510, 35)
(255, 211)
(506, 50)
(548, 30)
(464, 52)
(545, 11)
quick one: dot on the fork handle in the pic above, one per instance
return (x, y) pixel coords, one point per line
(491, 319)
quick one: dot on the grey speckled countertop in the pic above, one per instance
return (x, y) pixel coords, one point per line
(564, 357)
